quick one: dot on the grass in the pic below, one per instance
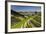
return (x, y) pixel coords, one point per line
(24, 22)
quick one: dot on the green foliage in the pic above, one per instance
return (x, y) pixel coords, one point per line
(22, 22)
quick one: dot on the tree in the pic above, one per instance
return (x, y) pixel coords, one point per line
(35, 12)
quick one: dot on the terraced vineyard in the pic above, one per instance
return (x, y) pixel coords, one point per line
(26, 22)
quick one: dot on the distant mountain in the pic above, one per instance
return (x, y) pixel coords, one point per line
(21, 13)
(16, 13)
(27, 11)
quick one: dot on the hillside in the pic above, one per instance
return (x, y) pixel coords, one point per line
(18, 20)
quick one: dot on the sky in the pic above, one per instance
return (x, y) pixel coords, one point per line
(25, 8)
